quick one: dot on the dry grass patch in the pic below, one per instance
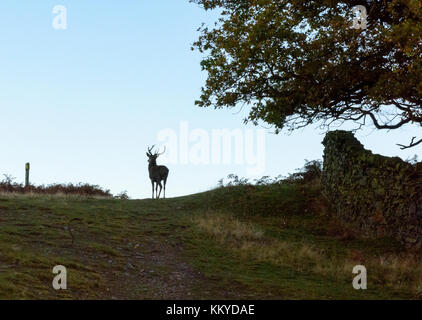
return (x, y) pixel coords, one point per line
(395, 271)
(226, 228)
(250, 242)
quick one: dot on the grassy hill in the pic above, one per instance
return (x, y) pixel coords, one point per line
(240, 242)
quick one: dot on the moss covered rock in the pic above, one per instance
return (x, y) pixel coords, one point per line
(381, 196)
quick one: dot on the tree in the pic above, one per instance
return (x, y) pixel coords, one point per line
(299, 62)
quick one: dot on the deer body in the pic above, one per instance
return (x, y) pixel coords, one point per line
(157, 174)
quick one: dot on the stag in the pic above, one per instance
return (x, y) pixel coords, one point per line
(157, 173)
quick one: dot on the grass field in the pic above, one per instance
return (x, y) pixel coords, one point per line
(245, 242)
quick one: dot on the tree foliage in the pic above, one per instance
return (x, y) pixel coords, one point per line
(298, 62)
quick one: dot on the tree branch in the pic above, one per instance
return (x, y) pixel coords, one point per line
(411, 144)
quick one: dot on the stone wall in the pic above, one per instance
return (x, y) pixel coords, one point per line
(380, 196)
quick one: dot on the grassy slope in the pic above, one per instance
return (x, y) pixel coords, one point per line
(178, 249)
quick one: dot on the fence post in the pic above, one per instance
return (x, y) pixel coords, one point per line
(27, 167)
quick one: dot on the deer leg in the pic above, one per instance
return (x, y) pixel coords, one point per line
(156, 190)
(152, 183)
(165, 182)
(161, 188)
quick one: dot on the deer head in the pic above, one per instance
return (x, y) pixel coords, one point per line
(152, 157)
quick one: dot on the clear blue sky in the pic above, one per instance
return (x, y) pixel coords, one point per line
(83, 104)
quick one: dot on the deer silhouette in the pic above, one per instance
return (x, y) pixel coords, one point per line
(157, 173)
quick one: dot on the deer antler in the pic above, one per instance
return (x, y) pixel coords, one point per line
(159, 154)
(150, 149)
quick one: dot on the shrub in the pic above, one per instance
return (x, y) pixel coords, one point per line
(122, 196)
(311, 172)
(84, 189)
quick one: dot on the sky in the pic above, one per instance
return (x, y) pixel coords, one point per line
(82, 104)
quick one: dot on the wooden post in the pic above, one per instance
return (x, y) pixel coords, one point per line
(27, 167)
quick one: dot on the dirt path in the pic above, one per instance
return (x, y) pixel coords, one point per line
(156, 273)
